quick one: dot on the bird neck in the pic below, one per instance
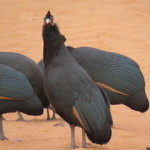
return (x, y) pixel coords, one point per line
(52, 43)
(70, 49)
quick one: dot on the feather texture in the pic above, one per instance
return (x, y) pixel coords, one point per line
(117, 72)
(71, 91)
(14, 85)
(30, 69)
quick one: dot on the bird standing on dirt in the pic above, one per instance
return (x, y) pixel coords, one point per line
(30, 69)
(16, 94)
(71, 91)
(118, 75)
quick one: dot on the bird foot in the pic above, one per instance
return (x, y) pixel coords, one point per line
(53, 118)
(48, 118)
(88, 144)
(84, 146)
(20, 119)
(4, 138)
(3, 118)
(73, 147)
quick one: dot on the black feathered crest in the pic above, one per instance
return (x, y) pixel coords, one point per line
(48, 20)
(52, 38)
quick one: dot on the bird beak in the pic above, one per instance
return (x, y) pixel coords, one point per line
(47, 21)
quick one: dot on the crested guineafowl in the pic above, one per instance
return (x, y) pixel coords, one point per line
(16, 94)
(118, 75)
(30, 69)
(71, 91)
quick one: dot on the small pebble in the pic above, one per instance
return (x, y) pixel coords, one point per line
(60, 125)
(17, 140)
(33, 19)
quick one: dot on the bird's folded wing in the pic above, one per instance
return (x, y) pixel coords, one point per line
(124, 79)
(92, 113)
(14, 85)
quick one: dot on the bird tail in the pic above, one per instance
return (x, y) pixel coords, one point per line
(101, 136)
(95, 118)
(138, 102)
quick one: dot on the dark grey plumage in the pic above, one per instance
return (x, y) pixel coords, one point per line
(116, 71)
(30, 69)
(16, 94)
(41, 64)
(71, 90)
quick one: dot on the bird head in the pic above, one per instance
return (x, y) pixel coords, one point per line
(48, 20)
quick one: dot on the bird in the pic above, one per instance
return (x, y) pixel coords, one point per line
(41, 64)
(16, 94)
(119, 76)
(71, 91)
(30, 69)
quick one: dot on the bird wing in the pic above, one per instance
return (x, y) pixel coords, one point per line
(112, 71)
(91, 110)
(124, 79)
(14, 85)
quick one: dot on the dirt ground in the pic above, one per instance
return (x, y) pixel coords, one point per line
(121, 26)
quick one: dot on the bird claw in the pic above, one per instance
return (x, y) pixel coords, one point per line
(20, 119)
(73, 147)
(48, 118)
(3, 118)
(88, 144)
(76, 146)
(53, 118)
(4, 138)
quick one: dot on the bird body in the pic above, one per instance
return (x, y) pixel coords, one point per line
(16, 94)
(71, 91)
(120, 76)
(30, 69)
(16, 88)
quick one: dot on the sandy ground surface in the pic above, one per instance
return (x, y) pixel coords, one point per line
(120, 26)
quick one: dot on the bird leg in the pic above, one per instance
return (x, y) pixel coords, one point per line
(54, 116)
(54, 112)
(83, 139)
(72, 137)
(20, 117)
(2, 137)
(48, 116)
